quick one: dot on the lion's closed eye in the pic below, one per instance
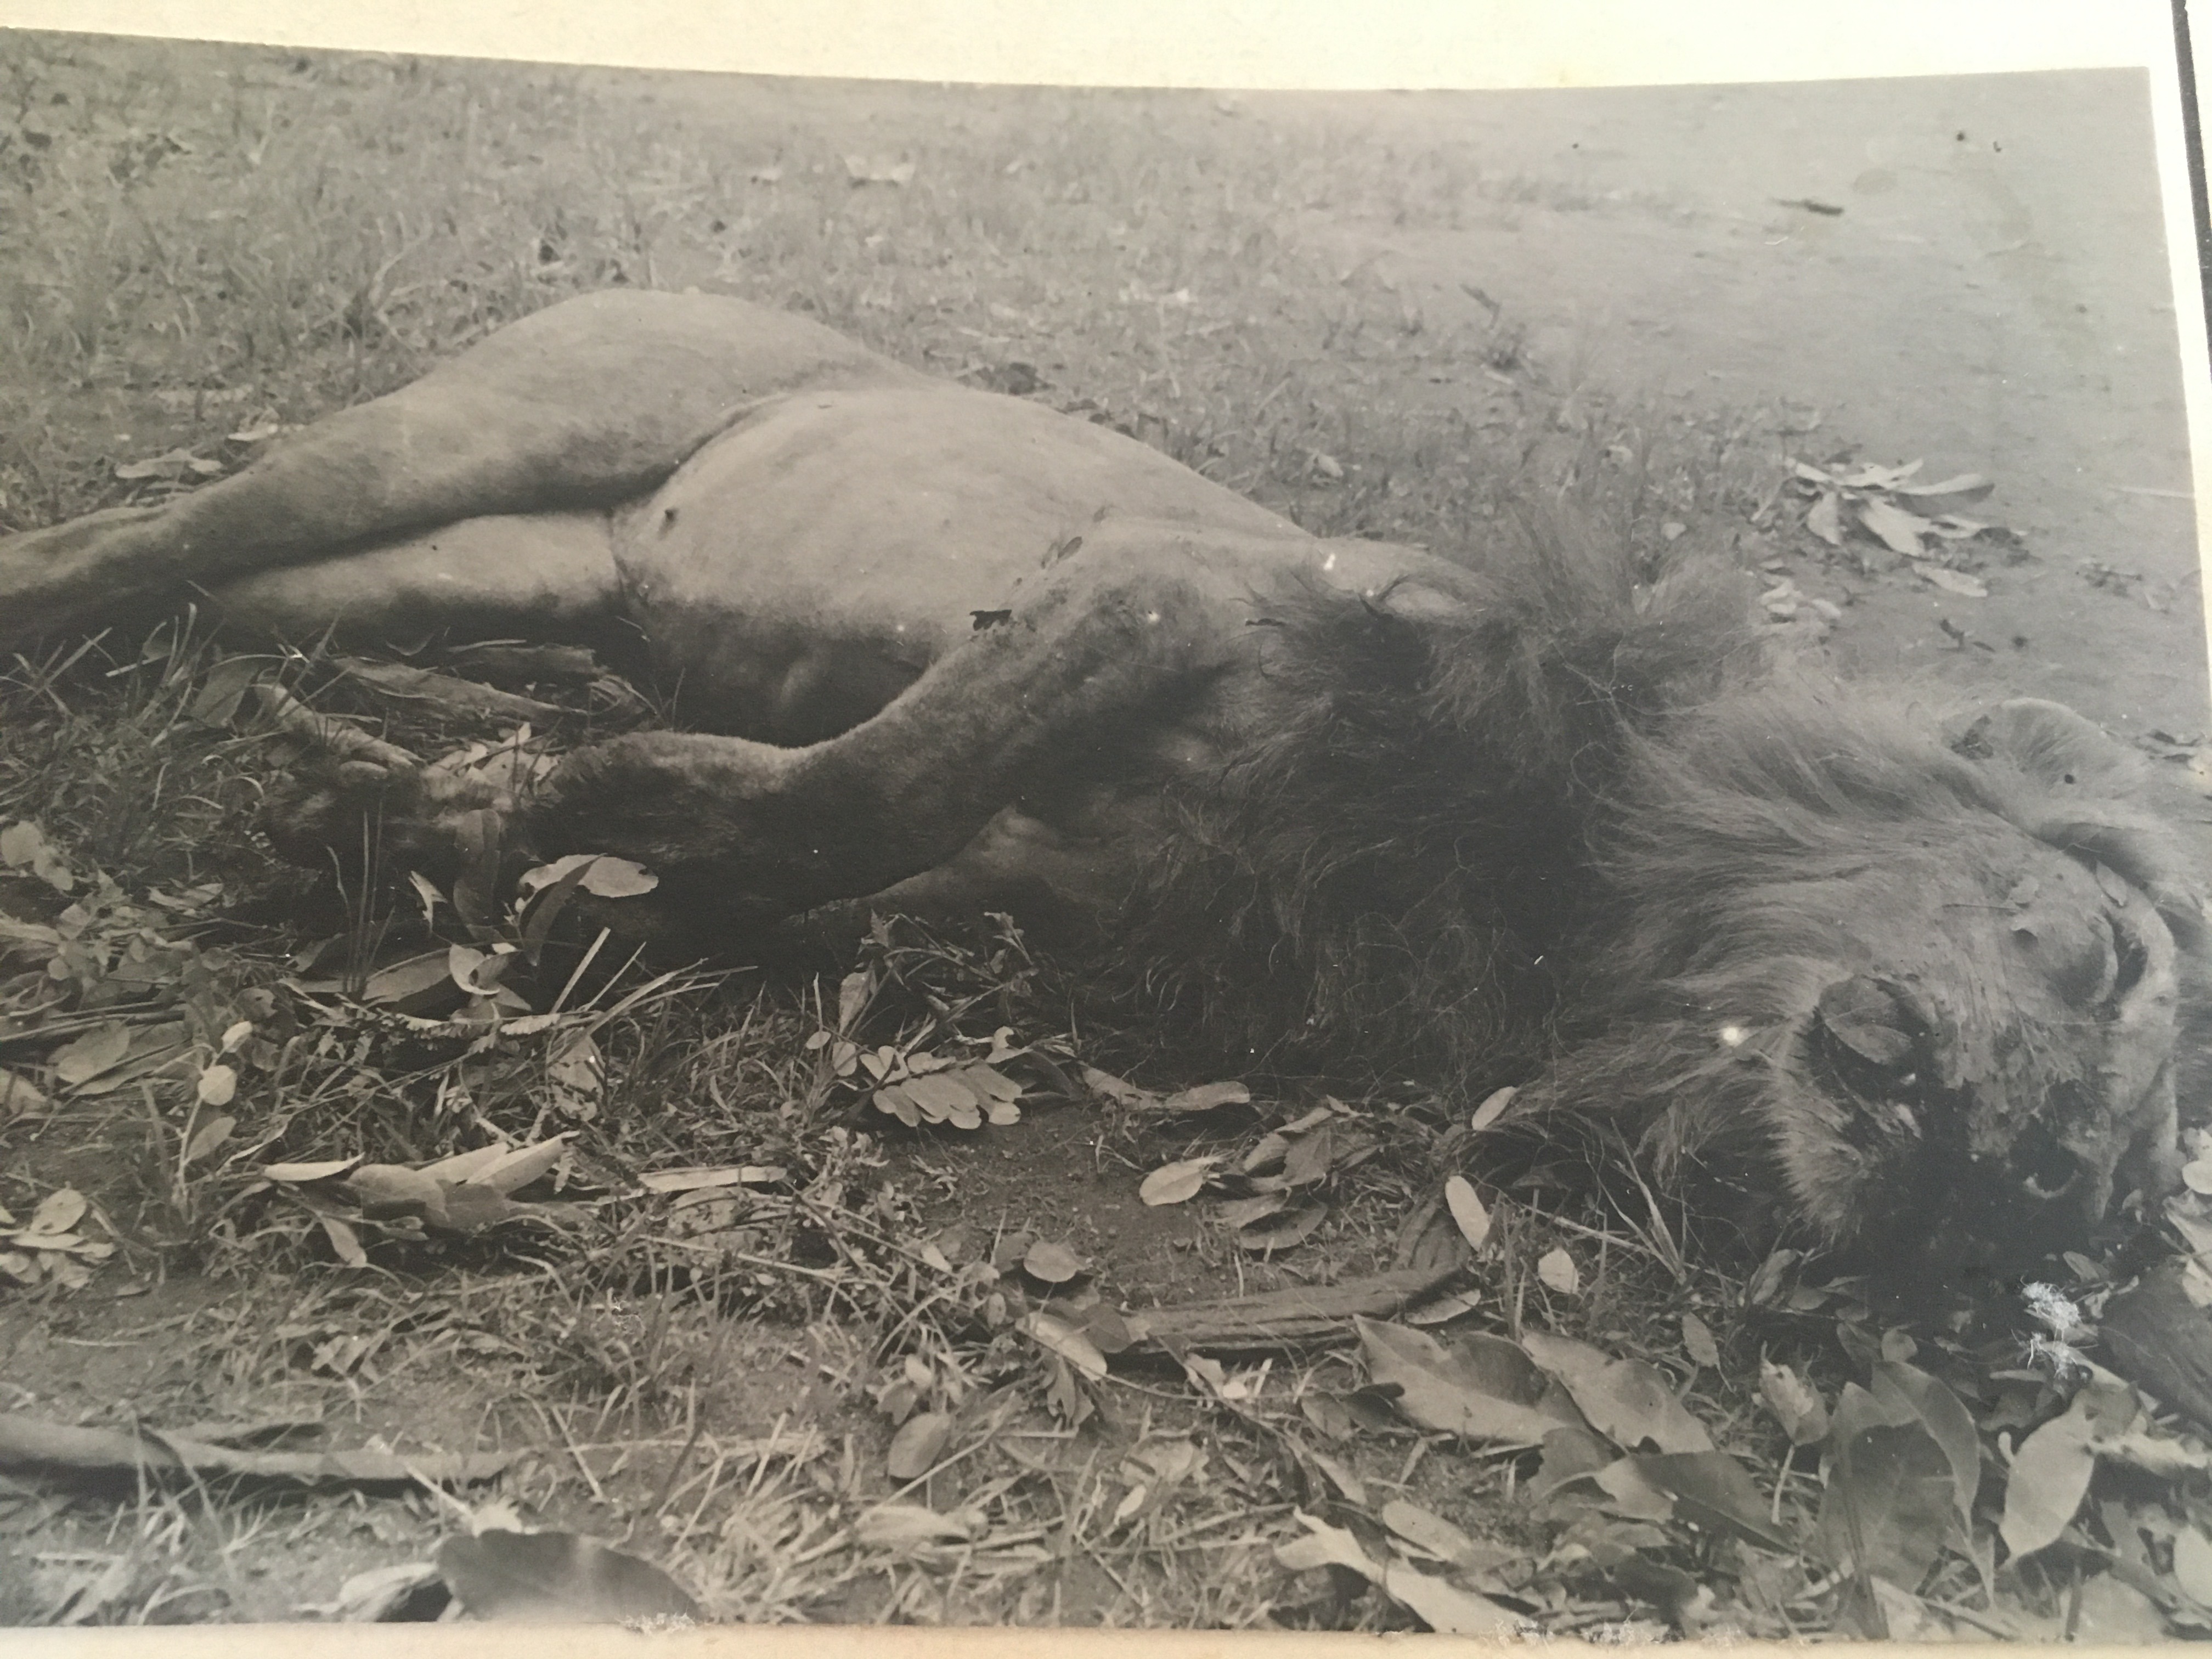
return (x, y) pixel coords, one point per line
(2131, 959)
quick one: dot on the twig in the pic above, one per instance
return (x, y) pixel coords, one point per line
(330, 732)
(61, 1028)
(28, 1443)
(1276, 1319)
(1174, 1538)
(444, 691)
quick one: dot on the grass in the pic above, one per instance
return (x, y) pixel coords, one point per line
(198, 243)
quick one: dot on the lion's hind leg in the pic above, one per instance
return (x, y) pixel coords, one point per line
(541, 576)
(587, 404)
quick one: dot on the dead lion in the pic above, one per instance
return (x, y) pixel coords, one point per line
(955, 653)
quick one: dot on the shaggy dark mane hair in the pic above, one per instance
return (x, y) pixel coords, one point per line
(1389, 880)
(1559, 830)
(1722, 823)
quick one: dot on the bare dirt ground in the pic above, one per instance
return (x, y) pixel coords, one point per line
(1396, 315)
(1986, 299)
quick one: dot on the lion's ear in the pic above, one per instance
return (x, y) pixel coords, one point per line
(2053, 745)
(2146, 856)
(2091, 808)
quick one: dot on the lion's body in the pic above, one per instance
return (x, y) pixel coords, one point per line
(775, 579)
(952, 653)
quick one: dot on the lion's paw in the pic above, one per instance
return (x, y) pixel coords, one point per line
(363, 814)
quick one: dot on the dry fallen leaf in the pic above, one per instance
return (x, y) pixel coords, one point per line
(1951, 582)
(85, 1058)
(1712, 1490)
(1801, 1411)
(1427, 1531)
(1826, 518)
(599, 874)
(25, 844)
(869, 170)
(1237, 1213)
(1308, 1158)
(210, 1134)
(1698, 1342)
(1296, 1229)
(1467, 1211)
(1119, 1091)
(1898, 531)
(909, 1526)
(1053, 1263)
(2192, 1564)
(1493, 1107)
(1172, 1183)
(1625, 1398)
(57, 1212)
(413, 981)
(1887, 1509)
(724, 1175)
(2049, 1478)
(1206, 1096)
(302, 1173)
(1353, 1488)
(1441, 1604)
(1058, 1337)
(1557, 1271)
(1477, 1388)
(1443, 1309)
(20, 1098)
(1906, 1392)
(918, 1443)
(1947, 495)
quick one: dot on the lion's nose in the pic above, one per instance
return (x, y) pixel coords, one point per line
(2046, 1170)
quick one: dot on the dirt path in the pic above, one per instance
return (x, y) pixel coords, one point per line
(1991, 296)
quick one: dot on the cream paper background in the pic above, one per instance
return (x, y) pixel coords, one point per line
(1348, 44)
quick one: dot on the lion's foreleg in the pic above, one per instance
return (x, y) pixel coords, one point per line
(781, 830)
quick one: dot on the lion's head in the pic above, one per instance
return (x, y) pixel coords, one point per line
(1902, 996)
(1830, 972)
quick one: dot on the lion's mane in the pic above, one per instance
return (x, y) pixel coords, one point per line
(1392, 877)
(1540, 838)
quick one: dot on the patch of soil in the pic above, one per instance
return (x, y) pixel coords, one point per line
(198, 1352)
(1982, 284)
(1052, 1177)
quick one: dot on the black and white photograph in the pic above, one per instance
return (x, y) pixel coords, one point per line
(786, 849)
